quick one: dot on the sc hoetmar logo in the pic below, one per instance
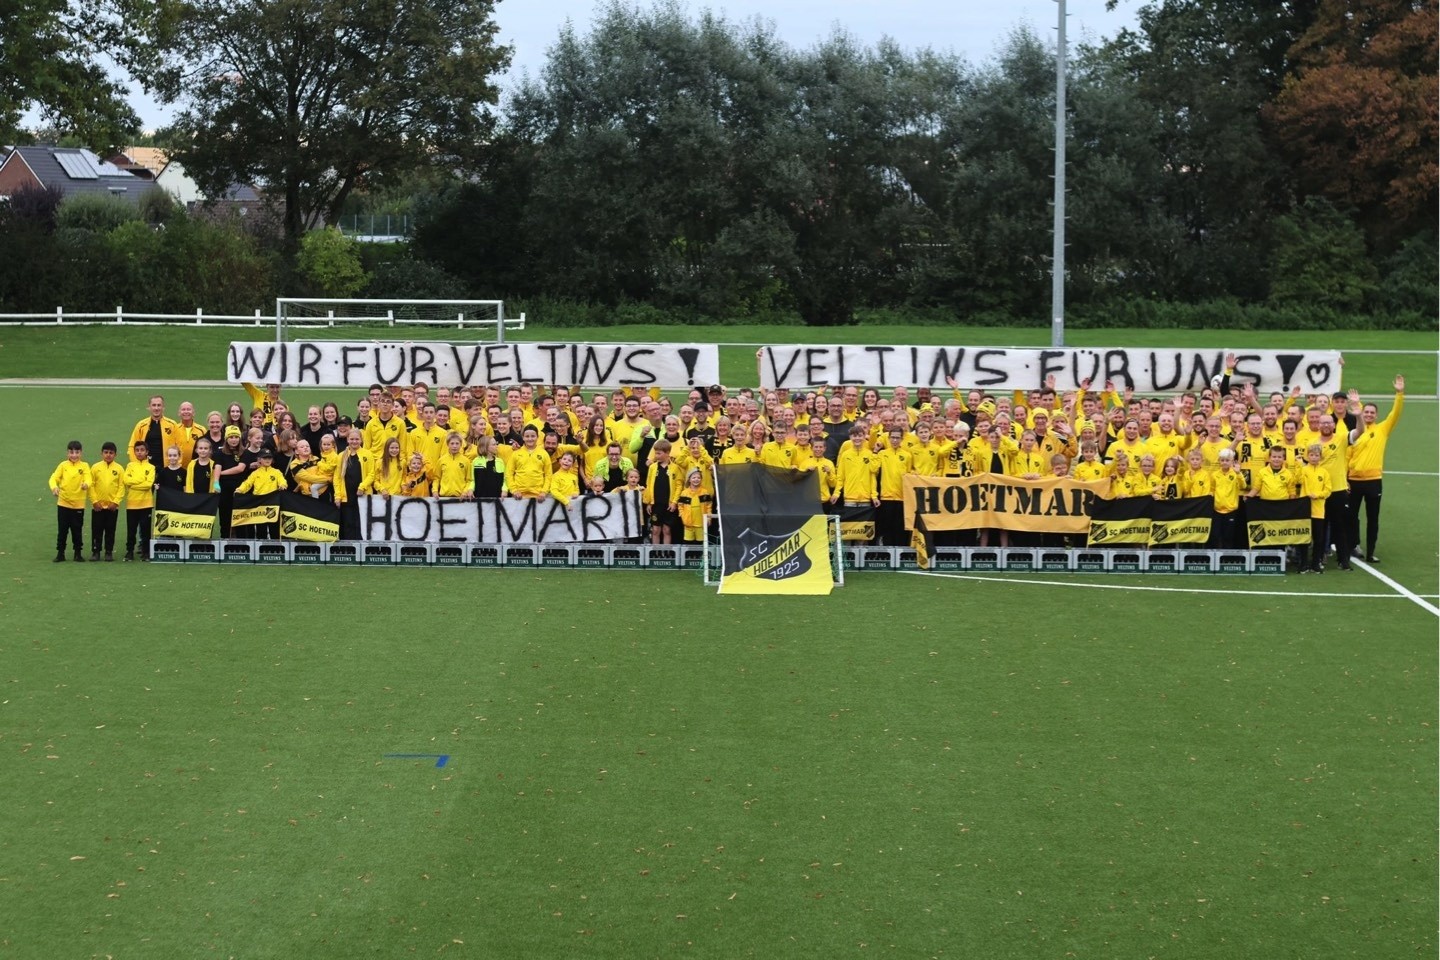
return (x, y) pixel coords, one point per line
(1099, 532)
(289, 527)
(774, 558)
(1258, 533)
(1159, 531)
(162, 524)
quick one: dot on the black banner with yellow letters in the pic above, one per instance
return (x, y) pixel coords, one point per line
(188, 516)
(1145, 521)
(307, 518)
(252, 510)
(1277, 523)
(773, 535)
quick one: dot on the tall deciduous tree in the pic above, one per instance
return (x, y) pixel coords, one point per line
(56, 57)
(310, 97)
(1357, 115)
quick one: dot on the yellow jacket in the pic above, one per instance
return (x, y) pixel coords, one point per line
(139, 485)
(69, 483)
(107, 484)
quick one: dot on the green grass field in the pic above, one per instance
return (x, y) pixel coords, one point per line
(920, 766)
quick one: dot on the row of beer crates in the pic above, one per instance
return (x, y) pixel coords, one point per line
(392, 553)
(689, 556)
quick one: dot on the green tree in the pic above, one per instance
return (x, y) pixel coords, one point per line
(1319, 260)
(330, 261)
(314, 97)
(56, 56)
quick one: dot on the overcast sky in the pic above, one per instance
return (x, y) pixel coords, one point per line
(971, 28)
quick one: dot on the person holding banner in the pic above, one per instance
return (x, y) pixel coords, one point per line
(263, 480)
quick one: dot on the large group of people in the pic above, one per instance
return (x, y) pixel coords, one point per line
(1227, 443)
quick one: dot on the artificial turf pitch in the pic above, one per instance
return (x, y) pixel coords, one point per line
(637, 767)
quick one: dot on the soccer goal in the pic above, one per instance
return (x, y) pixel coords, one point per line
(381, 317)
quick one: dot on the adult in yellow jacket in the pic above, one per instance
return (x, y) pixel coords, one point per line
(69, 483)
(157, 431)
(1367, 468)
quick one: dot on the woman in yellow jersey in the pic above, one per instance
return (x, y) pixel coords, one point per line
(387, 473)
(1315, 484)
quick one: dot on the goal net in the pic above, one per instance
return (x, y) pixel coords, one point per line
(297, 317)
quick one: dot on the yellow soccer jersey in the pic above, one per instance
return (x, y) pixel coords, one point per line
(1227, 486)
(262, 480)
(69, 483)
(107, 484)
(453, 476)
(140, 485)
(1271, 484)
(529, 472)
(1315, 484)
(855, 472)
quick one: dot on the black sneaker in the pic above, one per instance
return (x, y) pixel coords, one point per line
(94, 554)
(79, 557)
(1371, 558)
(109, 557)
(129, 557)
(59, 558)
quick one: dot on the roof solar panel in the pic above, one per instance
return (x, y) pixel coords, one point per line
(76, 165)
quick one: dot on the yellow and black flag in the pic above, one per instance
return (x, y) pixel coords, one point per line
(1182, 522)
(773, 538)
(306, 518)
(1119, 522)
(1277, 523)
(189, 516)
(251, 510)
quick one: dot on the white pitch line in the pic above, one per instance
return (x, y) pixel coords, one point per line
(1402, 591)
(1410, 473)
(1118, 586)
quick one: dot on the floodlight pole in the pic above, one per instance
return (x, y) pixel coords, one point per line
(1057, 257)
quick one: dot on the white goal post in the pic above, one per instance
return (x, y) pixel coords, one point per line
(308, 313)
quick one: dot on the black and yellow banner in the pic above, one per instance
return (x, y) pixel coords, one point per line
(188, 516)
(773, 535)
(993, 501)
(306, 518)
(1277, 523)
(857, 524)
(1145, 521)
(251, 510)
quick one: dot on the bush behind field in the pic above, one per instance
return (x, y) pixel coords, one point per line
(1128, 314)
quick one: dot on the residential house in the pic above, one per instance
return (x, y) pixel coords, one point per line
(72, 170)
